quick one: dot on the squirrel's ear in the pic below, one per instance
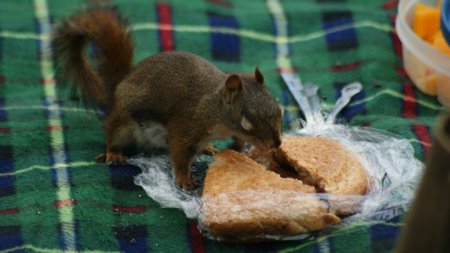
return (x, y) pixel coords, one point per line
(232, 87)
(259, 76)
(233, 82)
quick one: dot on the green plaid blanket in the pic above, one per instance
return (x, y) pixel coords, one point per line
(54, 197)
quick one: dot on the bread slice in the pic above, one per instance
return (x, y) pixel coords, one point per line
(244, 202)
(324, 163)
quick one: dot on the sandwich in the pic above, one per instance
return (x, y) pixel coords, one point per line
(242, 202)
(301, 187)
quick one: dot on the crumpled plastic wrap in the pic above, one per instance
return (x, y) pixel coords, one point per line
(392, 169)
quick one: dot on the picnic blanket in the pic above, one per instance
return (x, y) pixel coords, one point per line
(54, 196)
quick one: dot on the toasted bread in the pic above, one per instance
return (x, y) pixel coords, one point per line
(324, 163)
(244, 202)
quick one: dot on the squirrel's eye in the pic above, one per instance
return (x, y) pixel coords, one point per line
(246, 124)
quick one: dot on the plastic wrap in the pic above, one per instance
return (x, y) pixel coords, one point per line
(393, 173)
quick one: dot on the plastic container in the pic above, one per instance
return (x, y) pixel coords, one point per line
(427, 67)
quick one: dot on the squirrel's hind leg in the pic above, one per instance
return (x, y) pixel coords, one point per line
(120, 134)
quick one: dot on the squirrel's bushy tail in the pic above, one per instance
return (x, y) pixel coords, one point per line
(111, 37)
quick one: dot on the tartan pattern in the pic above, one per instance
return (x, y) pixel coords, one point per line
(224, 47)
(343, 40)
(54, 197)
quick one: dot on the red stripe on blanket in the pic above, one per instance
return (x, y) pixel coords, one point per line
(221, 3)
(9, 211)
(48, 81)
(346, 67)
(129, 209)
(398, 49)
(198, 245)
(55, 128)
(397, 45)
(409, 101)
(66, 202)
(421, 131)
(5, 130)
(401, 71)
(286, 70)
(165, 19)
(390, 4)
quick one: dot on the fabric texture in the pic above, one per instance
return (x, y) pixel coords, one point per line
(54, 196)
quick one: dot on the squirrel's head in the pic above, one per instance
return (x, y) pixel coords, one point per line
(255, 114)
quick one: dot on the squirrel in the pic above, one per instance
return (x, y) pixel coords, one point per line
(174, 100)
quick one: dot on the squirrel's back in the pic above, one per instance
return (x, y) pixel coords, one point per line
(110, 37)
(167, 80)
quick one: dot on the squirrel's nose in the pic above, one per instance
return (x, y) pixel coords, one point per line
(277, 143)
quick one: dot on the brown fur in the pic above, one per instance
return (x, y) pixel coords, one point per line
(189, 96)
(427, 227)
(110, 36)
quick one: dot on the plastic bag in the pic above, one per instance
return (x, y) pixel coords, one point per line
(389, 161)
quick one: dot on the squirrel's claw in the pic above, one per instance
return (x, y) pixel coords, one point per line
(111, 158)
(185, 184)
(209, 150)
(101, 158)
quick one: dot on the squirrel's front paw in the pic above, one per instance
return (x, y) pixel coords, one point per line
(185, 184)
(114, 158)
